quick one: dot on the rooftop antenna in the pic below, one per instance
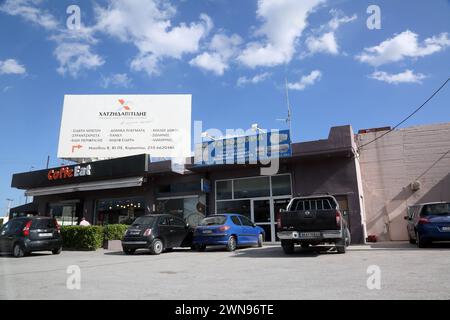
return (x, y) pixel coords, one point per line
(288, 119)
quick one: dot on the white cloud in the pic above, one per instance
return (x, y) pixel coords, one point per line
(401, 46)
(116, 80)
(283, 24)
(325, 41)
(253, 80)
(29, 10)
(408, 76)
(210, 61)
(339, 19)
(222, 49)
(11, 66)
(306, 81)
(147, 25)
(74, 57)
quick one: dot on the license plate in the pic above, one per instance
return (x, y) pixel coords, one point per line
(446, 229)
(309, 234)
(45, 234)
(134, 232)
(207, 231)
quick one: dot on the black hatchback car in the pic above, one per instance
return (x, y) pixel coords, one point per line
(23, 235)
(158, 233)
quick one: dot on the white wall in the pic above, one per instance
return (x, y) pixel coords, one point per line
(391, 164)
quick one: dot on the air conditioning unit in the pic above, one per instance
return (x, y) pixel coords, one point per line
(415, 185)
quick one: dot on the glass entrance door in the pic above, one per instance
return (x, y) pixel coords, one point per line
(262, 215)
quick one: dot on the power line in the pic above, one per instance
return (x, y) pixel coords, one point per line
(404, 120)
(434, 163)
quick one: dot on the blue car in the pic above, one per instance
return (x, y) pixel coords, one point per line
(428, 222)
(229, 230)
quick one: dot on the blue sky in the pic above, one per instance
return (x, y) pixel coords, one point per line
(231, 56)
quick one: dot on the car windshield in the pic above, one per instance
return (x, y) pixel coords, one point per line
(440, 209)
(144, 221)
(213, 221)
(42, 224)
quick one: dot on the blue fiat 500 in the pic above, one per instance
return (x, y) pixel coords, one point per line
(229, 230)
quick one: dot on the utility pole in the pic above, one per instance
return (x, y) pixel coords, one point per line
(289, 115)
(288, 119)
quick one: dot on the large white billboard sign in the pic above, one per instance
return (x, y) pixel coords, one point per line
(109, 126)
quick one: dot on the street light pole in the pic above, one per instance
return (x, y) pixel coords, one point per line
(10, 201)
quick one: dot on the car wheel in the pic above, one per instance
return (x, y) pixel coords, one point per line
(57, 251)
(231, 244)
(341, 249)
(288, 246)
(412, 241)
(348, 237)
(260, 240)
(128, 251)
(156, 247)
(18, 251)
(419, 241)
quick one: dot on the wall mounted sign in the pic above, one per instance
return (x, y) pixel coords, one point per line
(245, 149)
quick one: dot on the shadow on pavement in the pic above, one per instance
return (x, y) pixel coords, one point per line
(145, 252)
(277, 252)
(34, 254)
(399, 246)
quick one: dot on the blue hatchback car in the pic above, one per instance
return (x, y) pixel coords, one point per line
(428, 222)
(229, 230)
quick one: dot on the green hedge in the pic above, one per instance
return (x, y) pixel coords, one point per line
(82, 237)
(115, 231)
(90, 237)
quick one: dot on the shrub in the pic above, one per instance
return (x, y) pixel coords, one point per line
(115, 231)
(82, 237)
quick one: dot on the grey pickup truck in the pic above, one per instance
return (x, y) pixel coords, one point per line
(313, 220)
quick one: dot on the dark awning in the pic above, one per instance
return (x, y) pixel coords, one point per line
(25, 208)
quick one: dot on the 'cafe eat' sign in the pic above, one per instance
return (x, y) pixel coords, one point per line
(68, 172)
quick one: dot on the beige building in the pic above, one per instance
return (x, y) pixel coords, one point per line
(405, 167)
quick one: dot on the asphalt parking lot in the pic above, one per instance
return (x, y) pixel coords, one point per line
(406, 272)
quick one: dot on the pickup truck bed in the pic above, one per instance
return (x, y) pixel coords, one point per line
(311, 221)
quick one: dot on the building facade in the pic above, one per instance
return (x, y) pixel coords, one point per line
(403, 168)
(118, 190)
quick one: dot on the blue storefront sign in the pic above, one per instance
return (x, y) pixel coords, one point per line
(245, 149)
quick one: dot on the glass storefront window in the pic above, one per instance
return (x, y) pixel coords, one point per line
(281, 185)
(119, 211)
(252, 187)
(238, 206)
(190, 209)
(64, 213)
(224, 190)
